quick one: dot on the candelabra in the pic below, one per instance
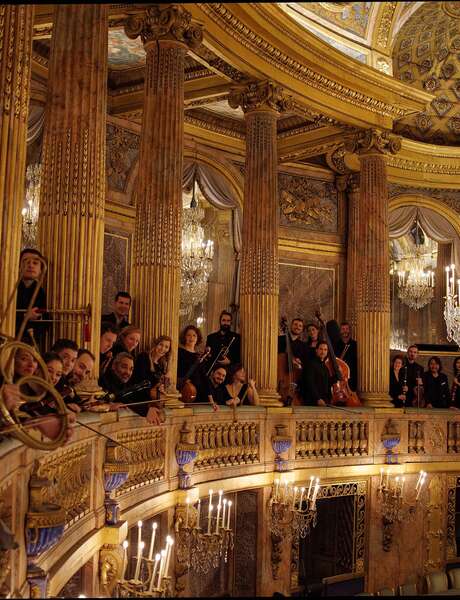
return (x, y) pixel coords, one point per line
(394, 508)
(202, 549)
(452, 306)
(151, 578)
(291, 511)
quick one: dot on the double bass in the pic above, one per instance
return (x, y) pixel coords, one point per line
(185, 386)
(288, 372)
(342, 395)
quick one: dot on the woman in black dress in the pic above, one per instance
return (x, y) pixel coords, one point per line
(189, 367)
(436, 385)
(398, 382)
(237, 391)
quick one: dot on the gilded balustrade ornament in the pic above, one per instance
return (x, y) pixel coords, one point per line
(328, 439)
(391, 437)
(260, 95)
(186, 452)
(116, 473)
(110, 568)
(227, 444)
(373, 141)
(164, 22)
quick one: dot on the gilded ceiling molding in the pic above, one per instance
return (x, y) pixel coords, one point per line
(164, 22)
(213, 126)
(383, 29)
(297, 130)
(372, 140)
(335, 158)
(423, 167)
(248, 38)
(259, 95)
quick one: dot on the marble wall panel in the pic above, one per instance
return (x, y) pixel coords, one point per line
(117, 258)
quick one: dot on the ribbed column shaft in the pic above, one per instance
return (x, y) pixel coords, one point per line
(444, 259)
(353, 250)
(259, 291)
(373, 297)
(16, 30)
(74, 149)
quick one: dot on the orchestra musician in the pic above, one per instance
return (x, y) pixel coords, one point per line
(298, 346)
(347, 350)
(189, 365)
(222, 339)
(312, 340)
(237, 391)
(436, 385)
(414, 374)
(216, 393)
(317, 381)
(398, 384)
(120, 314)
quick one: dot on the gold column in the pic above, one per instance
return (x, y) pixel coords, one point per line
(353, 249)
(74, 182)
(166, 32)
(373, 281)
(16, 30)
(262, 103)
(443, 260)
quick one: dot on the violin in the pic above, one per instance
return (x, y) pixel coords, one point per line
(288, 372)
(342, 395)
(185, 386)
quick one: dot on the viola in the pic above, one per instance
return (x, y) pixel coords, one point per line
(342, 395)
(288, 372)
(185, 386)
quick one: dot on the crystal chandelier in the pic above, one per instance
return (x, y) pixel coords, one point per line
(452, 306)
(197, 255)
(416, 286)
(30, 212)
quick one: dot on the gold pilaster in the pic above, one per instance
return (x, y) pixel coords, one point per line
(262, 103)
(353, 251)
(16, 30)
(373, 281)
(167, 32)
(74, 183)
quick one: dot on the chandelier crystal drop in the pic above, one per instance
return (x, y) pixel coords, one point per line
(452, 306)
(30, 212)
(197, 257)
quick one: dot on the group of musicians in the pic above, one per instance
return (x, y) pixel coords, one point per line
(318, 371)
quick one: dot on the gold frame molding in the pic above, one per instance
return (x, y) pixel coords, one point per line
(453, 482)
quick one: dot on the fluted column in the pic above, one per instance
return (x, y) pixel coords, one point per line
(259, 289)
(166, 32)
(16, 30)
(444, 259)
(74, 182)
(373, 281)
(353, 249)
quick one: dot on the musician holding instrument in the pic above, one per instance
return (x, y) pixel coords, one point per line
(109, 335)
(216, 393)
(346, 349)
(398, 381)
(312, 340)
(455, 391)
(191, 376)
(317, 380)
(436, 385)
(292, 356)
(414, 378)
(225, 344)
(237, 390)
(81, 370)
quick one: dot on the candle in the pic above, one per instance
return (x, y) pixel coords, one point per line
(315, 493)
(139, 534)
(139, 561)
(162, 564)
(220, 496)
(422, 481)
(403, 481)
(458, 287)
(218, 517)
(309, 487)
(381, 477)
(210, 498)
(396, 486)
(420, 475)
(169, 544)
(228, 515)
(198, 514)
(187, 502)
(125, 559)
(209, 518)
(285, 490)
(277, 485)
(388, 479)
(302, 491)
(447, 281)
(294, 497)
(223, 513)
(155, 567)
(152, 540)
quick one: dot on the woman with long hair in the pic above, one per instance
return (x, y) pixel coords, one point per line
(128, 341)
(237, 391)
(189, 365)
(398, 381)
(435, 385)
(153, 365)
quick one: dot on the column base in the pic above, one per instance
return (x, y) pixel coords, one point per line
(376, 399)
(269, 398)
(173, 400)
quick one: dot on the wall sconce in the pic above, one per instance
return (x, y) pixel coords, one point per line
(291, 510)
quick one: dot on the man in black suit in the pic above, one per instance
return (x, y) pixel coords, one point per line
(219, 340)
(347, 349)
(317, 381)
(412, 373)
(120, 314)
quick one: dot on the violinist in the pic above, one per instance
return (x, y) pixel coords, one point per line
(222, 339)
(189, 367)
(436, 385)
(414, 376)
(317, 380)
(398, 384)
(455, 391)
(237, 391)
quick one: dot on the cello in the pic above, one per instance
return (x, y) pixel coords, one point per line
(185, 386)
(342, 395)
(288, 372)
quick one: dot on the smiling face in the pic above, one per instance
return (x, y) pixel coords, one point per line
(162, 348)
(131, 341)
(82, 368)
(121, 306)
(123, 368)
(321, 351)
(398, 363)
(55, 370)
(296, 327)
(345, 332)
(218, 376)
(24, 363)
(191, 338)
(239, 376)
(68, 357)
(108, 339)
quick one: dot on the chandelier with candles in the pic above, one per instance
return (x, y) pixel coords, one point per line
(151, 573)
(415, 282)
(204, 540)
(197, 255)
(291, 510)
(30, 212)
(452, 306)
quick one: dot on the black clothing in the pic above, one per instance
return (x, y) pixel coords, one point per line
(112, 318)
(218, 340)
(350, 356)
(111, 383)
(143, 369)
(120, 347)
(185, 361)
(410, 372)
(24, 296)
(316, 382)
(455, 391)
(227, 396)
(217, 393)
(396, 386)
(298, 347)
(436, 390)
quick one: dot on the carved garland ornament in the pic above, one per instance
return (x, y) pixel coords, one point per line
(170, 22)
(259, 95)
(372, 140)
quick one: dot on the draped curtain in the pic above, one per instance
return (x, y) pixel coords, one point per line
(219, 194)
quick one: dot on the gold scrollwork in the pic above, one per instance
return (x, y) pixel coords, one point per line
(453, 482)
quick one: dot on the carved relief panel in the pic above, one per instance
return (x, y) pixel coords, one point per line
(117, 258)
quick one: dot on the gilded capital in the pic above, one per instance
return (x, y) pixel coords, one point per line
(164, 22)
(373, 141)
(260, 95)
